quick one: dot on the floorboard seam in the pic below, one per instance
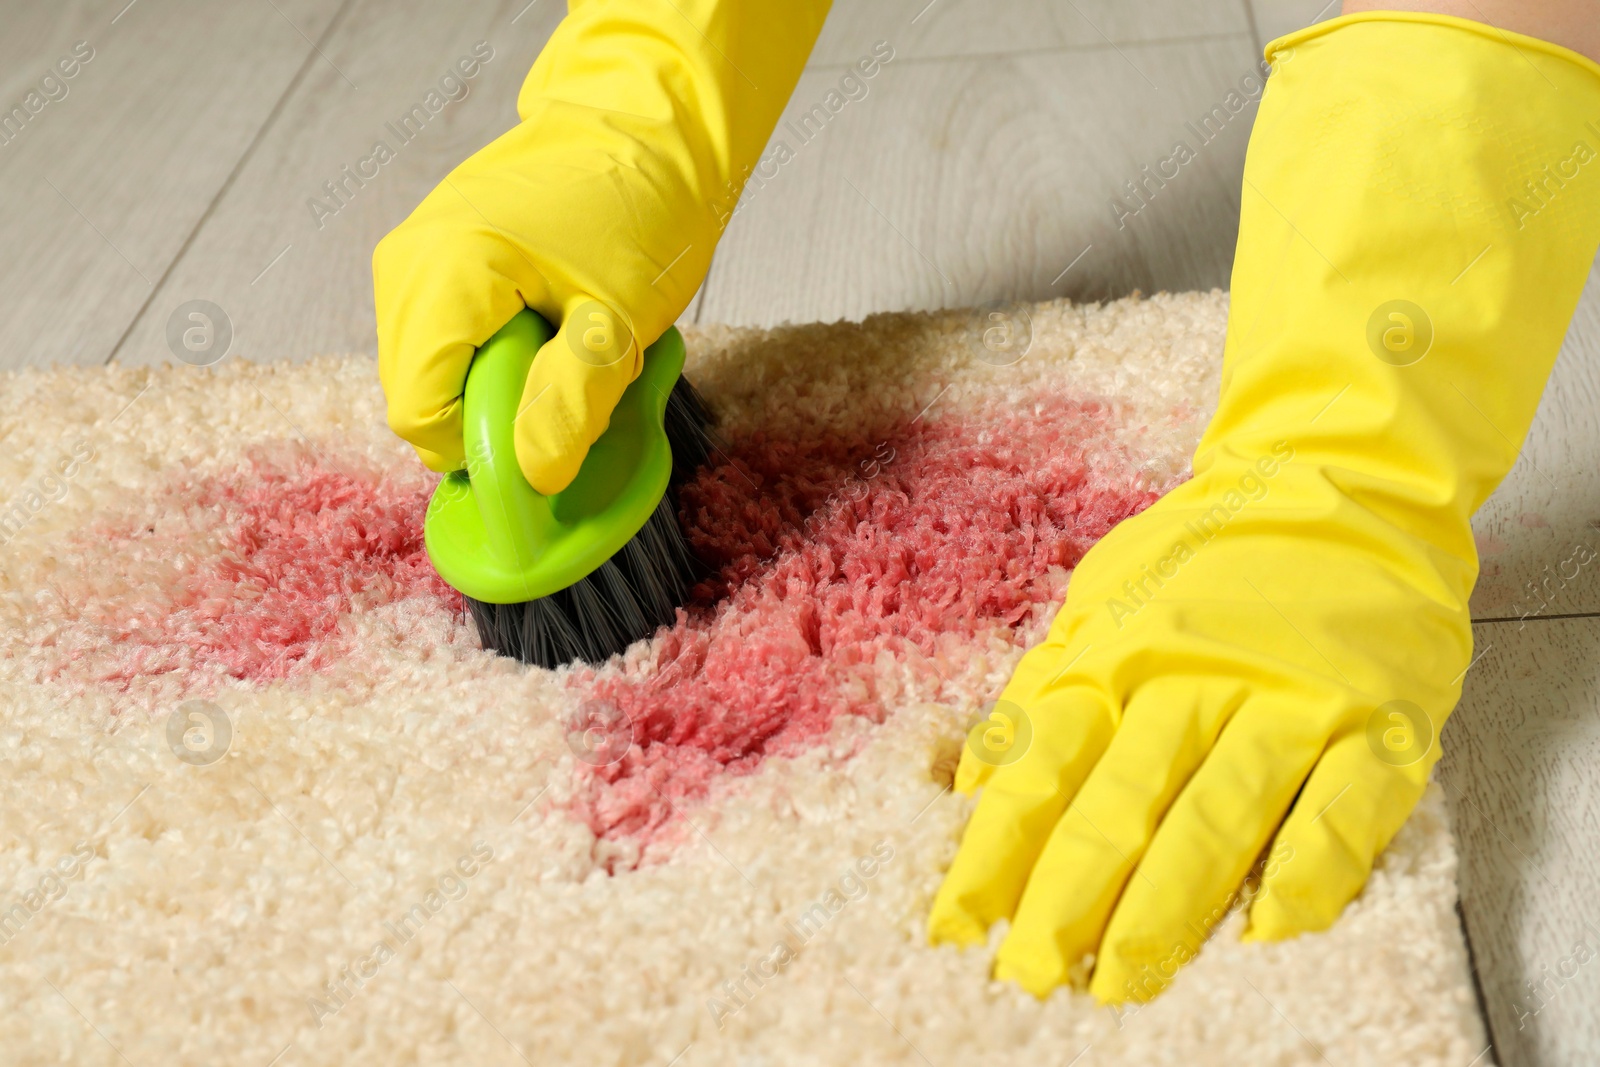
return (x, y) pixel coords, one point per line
(312, 54)
(1539, 618)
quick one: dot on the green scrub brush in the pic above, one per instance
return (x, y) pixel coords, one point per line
(581, 574)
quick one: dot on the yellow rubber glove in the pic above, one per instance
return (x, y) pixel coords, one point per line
(600, 210)
(1285, 633)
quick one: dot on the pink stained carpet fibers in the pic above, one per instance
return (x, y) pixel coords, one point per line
(301, 544)
(845, 571)
(834, 555)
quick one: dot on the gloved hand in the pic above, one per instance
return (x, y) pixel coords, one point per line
(1286, 632)
(600, 210)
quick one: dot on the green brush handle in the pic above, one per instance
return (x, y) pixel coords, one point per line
(492, 535)
(516, 517)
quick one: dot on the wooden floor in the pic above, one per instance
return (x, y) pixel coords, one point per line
(980, 165)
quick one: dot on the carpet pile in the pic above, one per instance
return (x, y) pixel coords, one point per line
(266, 802)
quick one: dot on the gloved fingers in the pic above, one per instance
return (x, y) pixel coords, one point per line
(1062, 734)
(1038, 673)
(1170, 724)
(436, 461)
(443, 282)
(1198, 858)
(572, 387)
(977, 764)
(1354, 803)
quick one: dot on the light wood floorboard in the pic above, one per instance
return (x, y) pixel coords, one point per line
(295, 282)
(960, 180)
(1520, 762)
(103, 187)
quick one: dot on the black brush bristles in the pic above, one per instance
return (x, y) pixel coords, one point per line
(631, 594)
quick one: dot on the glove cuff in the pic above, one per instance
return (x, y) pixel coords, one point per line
(1420, 210)
(1282, 49)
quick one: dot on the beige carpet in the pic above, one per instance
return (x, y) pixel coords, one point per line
(266, 803)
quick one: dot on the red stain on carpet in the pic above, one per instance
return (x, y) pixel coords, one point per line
(845, 568)
(302, 545)
(846, 572)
